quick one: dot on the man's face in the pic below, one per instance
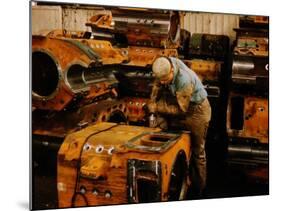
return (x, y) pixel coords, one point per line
(169, 79)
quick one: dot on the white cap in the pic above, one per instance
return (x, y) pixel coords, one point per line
(161, 67)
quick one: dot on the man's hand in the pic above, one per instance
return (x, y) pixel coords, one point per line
(152, 121)
(152, 107)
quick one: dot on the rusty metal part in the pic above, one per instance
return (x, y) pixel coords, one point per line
(250, 70)
(102, 27)
(135, 76)
(256, 46)
(251, 157)
(144, 56)
(235, 150)
(151, 142)
(62, 33)
(148, 27)
(63, 67)
(95, 49)
(247, 117)
(100, 21)
(206, 70)
(80, 79)
(135, 108)
(253, 21)
(134, 27)
(59, 124)
(250, 51)
(144, 175)
(97, 163)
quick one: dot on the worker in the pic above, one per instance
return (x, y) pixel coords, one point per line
(189, 99)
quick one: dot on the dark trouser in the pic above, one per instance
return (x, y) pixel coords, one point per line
(197, 121)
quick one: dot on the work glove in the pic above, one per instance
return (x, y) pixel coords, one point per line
(152, 106)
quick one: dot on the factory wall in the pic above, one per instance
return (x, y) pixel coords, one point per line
(210, 23)
(46, 18)
(70, 18)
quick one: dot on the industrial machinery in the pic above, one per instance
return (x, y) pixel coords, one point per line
(109, 163)
(247, 114)
(63, 69)
(81, 79)
(89, 113)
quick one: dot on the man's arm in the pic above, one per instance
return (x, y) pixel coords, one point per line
(154, 94)
(183, 100)
(165, 108)
(155, 89)
(184, 96)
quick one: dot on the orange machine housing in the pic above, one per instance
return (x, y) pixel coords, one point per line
(64, 64)
(109, 163)
(247, 127)
(248, 117)
(206, 70)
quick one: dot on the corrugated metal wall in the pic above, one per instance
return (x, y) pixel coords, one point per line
(46, 18)
(75, 19)
(210, 23)
(55, 17)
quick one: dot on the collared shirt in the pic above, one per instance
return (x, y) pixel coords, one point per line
(183, 77)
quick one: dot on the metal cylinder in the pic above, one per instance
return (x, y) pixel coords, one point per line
(147, 27)
(45, 75)
(242, 66)
(248, 150)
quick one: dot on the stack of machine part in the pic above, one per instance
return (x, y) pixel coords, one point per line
(137, 27)
(80, 79)
(208, 57)
(150, 28)
(247, 115)
(73, 85)
(72, 70)
(142, 35)
(109, 163)
(65, 68)
(149, 34)
(250, 60)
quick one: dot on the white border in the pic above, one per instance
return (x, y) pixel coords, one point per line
(15, 103)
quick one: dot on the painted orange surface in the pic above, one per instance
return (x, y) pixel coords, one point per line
(206, 70)
(66, 53)
(256, 119)
(112, 167)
